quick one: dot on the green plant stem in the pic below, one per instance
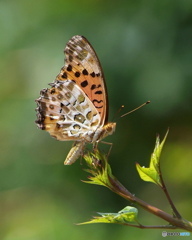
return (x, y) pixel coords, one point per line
(118, 188)
(164, 188)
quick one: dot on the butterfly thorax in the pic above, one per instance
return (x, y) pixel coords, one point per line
(103, 132)
(92, 137)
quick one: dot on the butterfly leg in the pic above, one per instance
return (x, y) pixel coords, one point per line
(75, 152)
(110, 148)
(95, 146)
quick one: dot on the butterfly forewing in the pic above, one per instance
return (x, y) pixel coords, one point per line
(82, 66)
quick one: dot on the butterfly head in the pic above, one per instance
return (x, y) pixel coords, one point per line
(107, 129)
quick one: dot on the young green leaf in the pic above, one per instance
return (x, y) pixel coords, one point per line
(126, 215)
(99, 169)
(151, 174)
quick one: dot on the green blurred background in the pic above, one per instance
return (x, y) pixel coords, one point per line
(145, 48)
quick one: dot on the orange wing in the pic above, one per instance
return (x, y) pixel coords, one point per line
(83, 67)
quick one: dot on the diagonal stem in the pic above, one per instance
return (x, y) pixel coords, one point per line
(164, 188)
(119, 189)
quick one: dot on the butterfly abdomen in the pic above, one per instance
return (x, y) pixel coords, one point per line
(74, 153)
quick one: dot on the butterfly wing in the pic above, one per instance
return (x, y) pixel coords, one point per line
(76, 106)
(66, 112)
(83, 67)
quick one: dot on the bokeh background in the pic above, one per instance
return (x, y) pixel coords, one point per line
(145, 48)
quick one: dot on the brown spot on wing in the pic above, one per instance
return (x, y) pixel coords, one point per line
(77, 74)
(92, 74)
(64, 75)
(85, 72)
(69, 68)
(82, 66)
(84, 84)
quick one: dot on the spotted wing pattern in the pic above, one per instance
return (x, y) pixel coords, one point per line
(76, 105)
(82, 65)
(67, 113)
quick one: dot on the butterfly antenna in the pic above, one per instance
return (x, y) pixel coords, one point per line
(135, 109)
(118, 111)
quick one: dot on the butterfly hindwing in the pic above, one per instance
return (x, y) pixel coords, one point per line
(67, 112)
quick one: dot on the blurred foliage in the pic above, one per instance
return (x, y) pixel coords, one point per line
(146, 49)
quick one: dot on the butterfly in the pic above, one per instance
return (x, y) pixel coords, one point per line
(75, 108)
